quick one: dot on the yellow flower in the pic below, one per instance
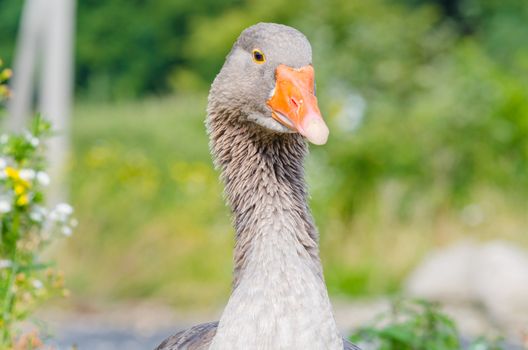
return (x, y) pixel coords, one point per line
(24, 183)
(19, 189)
(7, 73)
(11, 173)
(20, 277)
(22, 200)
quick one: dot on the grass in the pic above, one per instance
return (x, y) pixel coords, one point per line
(148, 201)
(153, 223)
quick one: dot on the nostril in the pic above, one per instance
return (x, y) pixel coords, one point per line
(294, 102)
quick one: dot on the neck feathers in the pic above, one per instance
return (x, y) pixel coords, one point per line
(279, 299)
(264, 182)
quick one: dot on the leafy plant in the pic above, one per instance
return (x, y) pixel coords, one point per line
(416, 325)
(26, 228)
(483, 343)
(411, 325)
(5, 74)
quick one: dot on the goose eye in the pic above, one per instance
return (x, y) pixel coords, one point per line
(258, 56)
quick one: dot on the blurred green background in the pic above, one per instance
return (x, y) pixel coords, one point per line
(427, 105)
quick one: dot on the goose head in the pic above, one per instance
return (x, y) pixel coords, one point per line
(268, 80)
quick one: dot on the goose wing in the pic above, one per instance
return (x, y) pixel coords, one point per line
(196, 338)
(200, 337)
(349, 346)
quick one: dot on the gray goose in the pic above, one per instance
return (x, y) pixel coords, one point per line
(261, 108)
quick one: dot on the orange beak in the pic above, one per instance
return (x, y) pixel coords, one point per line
(294, 103)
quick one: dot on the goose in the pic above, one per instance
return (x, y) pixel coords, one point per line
(261, 110)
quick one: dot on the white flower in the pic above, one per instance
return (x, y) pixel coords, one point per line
(64, 209)
(27, 174)
(35, 216)
(31, 139)
(61, 213)
(37, 284)
(3, 165)
(43, 178)
(67, 231)
(74, 223)
(53, 216)
(5, 206)
(5, 263)
(38, 214)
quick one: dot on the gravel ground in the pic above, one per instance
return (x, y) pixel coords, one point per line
(142, 326)
(112, 339)
(107, 339)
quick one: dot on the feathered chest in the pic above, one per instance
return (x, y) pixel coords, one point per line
(280, 301)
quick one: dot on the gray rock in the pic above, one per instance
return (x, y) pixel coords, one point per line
(499, 277)
(445, 275)
(493, 275)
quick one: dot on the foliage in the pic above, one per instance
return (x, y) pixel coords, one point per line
(26, 228)
(421, 115)
(415, 325)
(182, 40)
(10, 12)
(411, 96)
(152, 36)
(425, 99)
(5, 74)
(416, 104)
(143, 184)
(146, 176)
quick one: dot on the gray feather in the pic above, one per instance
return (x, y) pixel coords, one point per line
(199, 338)
(196, 338)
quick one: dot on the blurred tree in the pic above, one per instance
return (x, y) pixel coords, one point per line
(128, 48)
(397, 70)
(10, 13)
(168, 42)
(438, 109)
(426, 100)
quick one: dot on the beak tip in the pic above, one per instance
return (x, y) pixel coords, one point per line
(316, 131)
